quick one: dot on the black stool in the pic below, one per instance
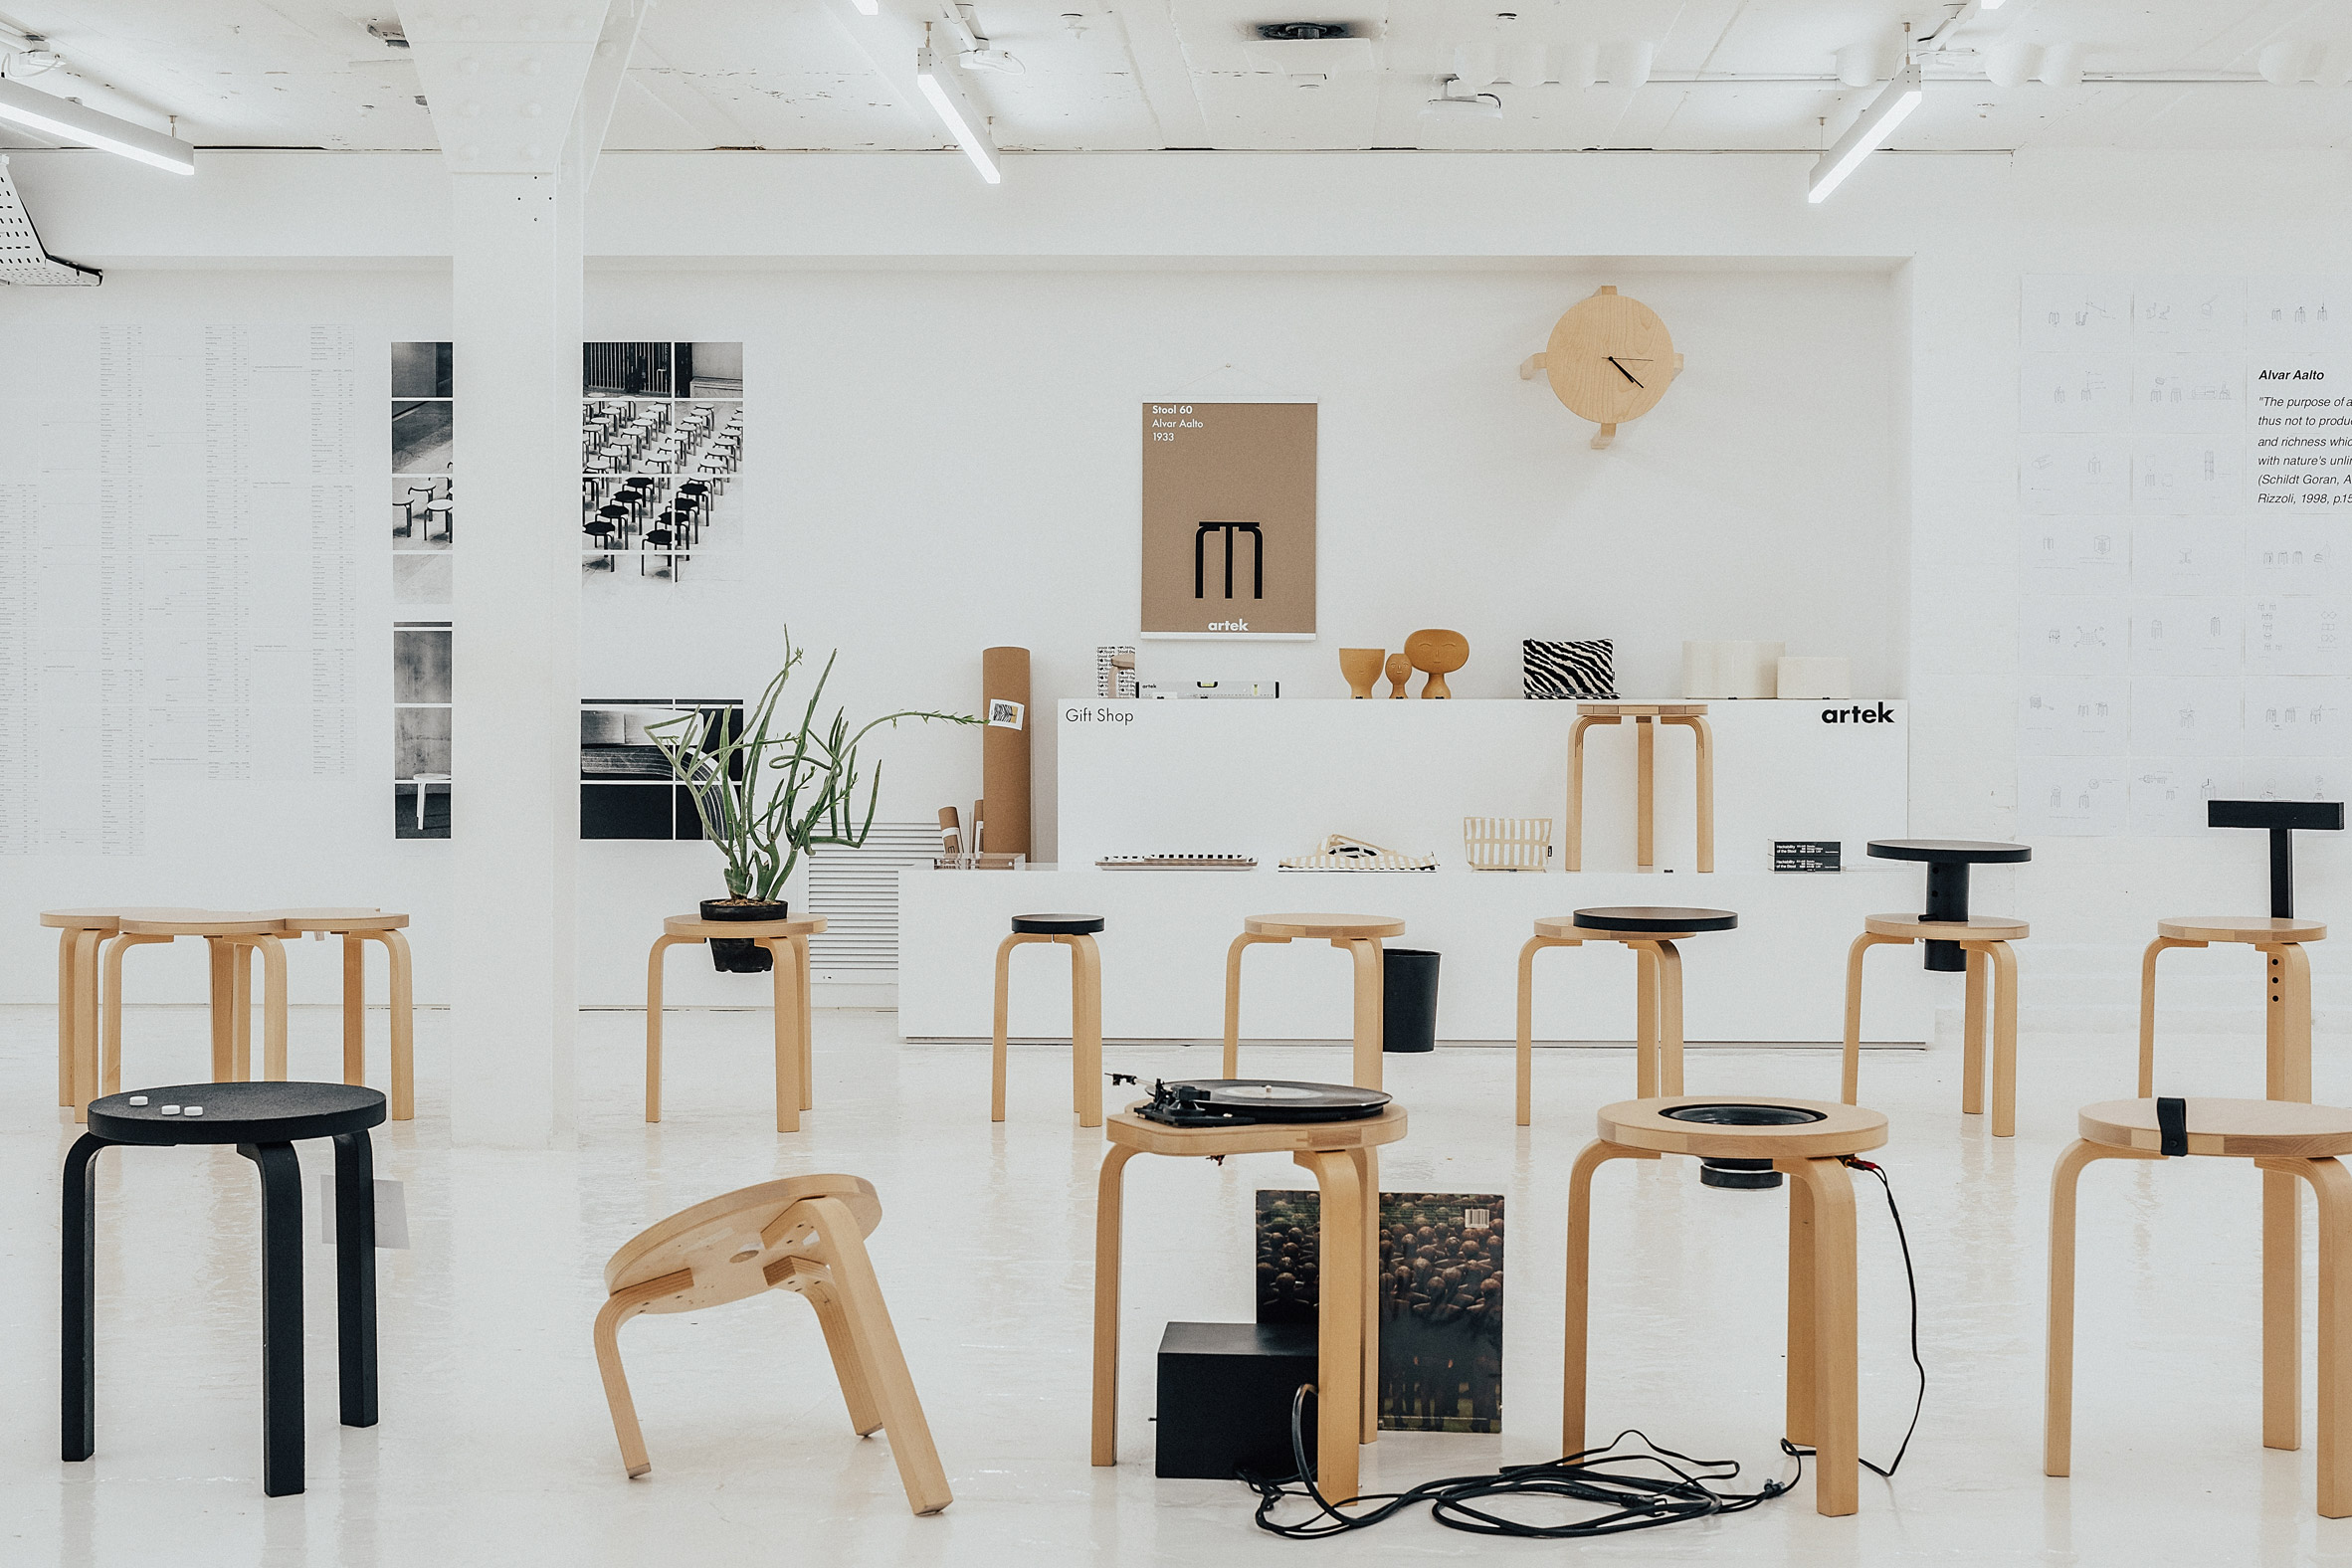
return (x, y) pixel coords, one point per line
(263, 1121)
(1076, 932)
(1651, 931)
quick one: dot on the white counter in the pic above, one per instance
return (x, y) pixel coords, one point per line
(1779, 977)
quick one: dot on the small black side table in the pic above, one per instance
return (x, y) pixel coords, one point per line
(263, 1121)
(1948, 861)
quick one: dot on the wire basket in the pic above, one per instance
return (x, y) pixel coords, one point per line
(1507, 844)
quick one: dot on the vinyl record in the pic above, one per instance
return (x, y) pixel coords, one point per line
(1281, 1099)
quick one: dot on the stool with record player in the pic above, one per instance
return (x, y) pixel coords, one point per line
(1236, 1116)
(1076, 932)
(1651, 931)
(1357, 934)
(1807, 1141)
(1955, 943)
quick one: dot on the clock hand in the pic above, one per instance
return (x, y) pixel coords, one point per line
(1623, 372)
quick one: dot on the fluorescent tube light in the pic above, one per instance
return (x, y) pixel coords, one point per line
(1871, 132)
(874, 7)
(1990, 5)
(954, 112)
(62, 120)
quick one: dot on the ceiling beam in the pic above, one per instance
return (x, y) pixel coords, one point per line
(890, 41)
(1162, 70)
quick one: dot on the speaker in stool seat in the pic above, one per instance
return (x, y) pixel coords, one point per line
(1754, 1175)
(1224, 1399)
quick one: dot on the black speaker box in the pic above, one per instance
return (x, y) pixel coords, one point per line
(1224, 1398)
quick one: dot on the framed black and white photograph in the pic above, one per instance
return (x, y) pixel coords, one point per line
(628, 789)
(421, 693)
(661, 447)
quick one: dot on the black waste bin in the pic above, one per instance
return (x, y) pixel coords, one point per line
(1409, 1000)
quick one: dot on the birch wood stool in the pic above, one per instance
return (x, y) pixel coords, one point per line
(264, 1121)
(1342, 1155)
(1646, 718)
(787, 942)
(1955, 941)
(358, 927)
(228, 934)
(81, 935)
(806, 1235)
(2287, 1141)
(1821, 1396)
(1076, 932)
(1356, 935)
(1651, 933)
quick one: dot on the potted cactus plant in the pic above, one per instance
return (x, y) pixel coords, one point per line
(767, 794)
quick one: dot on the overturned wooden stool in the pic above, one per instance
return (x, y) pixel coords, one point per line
(1808, 1142)
(1651, 931)
(806, 1235)
(2282, 1138)
(1076, 932)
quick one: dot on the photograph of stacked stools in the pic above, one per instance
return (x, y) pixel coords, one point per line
(660, 442)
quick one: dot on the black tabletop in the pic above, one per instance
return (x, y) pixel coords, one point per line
(1949, 851)
(236, 1112)
(1656, 917)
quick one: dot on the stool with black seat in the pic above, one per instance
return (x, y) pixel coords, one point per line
(1956, 942)
(2288, 1142)
(1807, 1141)
(264, 1121)
(1651, 931)
(1076, 932)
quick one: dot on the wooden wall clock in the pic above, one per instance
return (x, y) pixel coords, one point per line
(1609, 360)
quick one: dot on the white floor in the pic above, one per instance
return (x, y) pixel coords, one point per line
(494, 1446)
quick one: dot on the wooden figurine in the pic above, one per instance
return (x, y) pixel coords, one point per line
(1400, 671)
(1440, 653)
(1361, 668)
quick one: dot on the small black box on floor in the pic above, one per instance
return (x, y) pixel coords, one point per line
(1224, 1398)
(1807, 854)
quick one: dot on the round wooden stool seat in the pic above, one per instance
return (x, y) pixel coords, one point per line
(724, 1241)
(198, 923)
(2247, 1129)
(1640, 709)
(1949, 851)
(336, 922)
(1647, 920)
(694, 928)
(111, 919)
(1832, 1130)
(2240, 929)
(1325, 928)
(1056, 924)
(1976, 928)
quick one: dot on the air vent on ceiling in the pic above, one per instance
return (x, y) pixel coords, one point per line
(1309, 53)
(1305, 31)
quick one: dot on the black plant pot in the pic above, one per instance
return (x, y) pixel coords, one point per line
(733, 956)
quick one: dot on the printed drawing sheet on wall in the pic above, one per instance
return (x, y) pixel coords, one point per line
(2184, 483)
(178, 506)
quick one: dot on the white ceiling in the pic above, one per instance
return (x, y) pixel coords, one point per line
(1154, 73)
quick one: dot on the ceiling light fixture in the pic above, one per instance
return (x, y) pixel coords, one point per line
(1476, 105)
(1871, 132)
(867, 7)
(63, 120)
(954, 111)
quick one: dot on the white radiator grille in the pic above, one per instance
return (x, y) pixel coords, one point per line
(857, 890)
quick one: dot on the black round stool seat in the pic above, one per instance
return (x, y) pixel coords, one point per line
(1056, 924)
(1950, 852)
(237, 1114)
(1656, 917)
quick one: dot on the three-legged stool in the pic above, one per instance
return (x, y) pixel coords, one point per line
(2287, 1140)
(1810, 1149)
(1358, 935)
(806, 1235)
(264, 1120)
(1076, 932)
(1340, 1154)
(1955, 943)
(1646, 716)
(230, 936)
(1651, 931)
(788, 943)
(358, 927)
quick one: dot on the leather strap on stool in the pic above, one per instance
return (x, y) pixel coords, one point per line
(2172, 1127)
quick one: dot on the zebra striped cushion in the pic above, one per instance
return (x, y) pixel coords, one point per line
(1583, 670)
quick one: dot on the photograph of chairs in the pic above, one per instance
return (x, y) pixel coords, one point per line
(424, 543)
(627, 789)
(421, 668)
(424, 511)
(661, 444)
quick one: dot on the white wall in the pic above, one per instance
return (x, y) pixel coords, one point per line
(948, 374)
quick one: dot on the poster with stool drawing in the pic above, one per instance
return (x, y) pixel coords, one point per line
(1228, 519)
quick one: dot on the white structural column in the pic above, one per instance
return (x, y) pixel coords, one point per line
(504, 83)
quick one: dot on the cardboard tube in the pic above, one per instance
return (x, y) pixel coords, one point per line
(1004, 751)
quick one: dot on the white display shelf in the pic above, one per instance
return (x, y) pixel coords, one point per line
(1780, 977)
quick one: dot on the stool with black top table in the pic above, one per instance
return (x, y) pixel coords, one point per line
(264, 1120)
